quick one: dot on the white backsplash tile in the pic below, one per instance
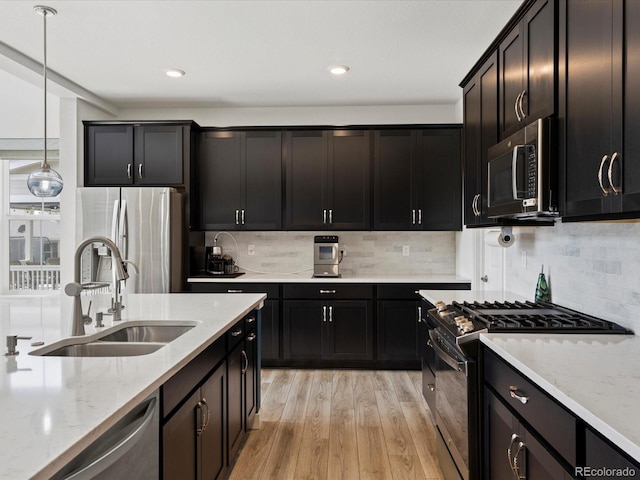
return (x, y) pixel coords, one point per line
(367, 253)
(592, 267)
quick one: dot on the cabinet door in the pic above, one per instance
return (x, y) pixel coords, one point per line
(219, 180)
(499, 427)
(630, 157)
(270, 341)
(393, 153)
(108, 155)
(306, 179)
(158, 155)
(539, 52)
(235, 402)
(348, 180)
(480, 133)
(398, 331)
(262, 186)
(302, 327)
(600, 454)
(592, 124)
(440, 182)
(179, 443)
(212, 441)
(511, 80)
(250, 377)
(349, 330)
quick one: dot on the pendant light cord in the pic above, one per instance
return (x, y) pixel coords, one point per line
(44, 16)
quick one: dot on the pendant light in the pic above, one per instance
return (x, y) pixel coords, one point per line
(45, 182)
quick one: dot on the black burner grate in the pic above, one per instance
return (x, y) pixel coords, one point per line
(534, 316)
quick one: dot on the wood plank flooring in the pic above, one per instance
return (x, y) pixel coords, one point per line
(340, 424)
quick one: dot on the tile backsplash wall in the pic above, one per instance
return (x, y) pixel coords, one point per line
(366, 253)
(591, 267)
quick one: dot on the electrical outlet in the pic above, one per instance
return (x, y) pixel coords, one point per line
(523, 258)
(251, 249)
(405, 250)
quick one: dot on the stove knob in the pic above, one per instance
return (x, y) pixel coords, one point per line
(460, 319)
(441, 306)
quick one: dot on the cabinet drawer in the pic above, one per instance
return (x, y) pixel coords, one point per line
(235, 335)
(272, 290)
(548, 418)
(408, 291)
(328, 291)
(600, 454)
(177, 387)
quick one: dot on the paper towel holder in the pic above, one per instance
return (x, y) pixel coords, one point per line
(506, 235)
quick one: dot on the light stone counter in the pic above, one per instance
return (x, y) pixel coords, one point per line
(51, 408)
(594, 376)
(306, 277)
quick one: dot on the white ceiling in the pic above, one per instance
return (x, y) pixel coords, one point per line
(252, 53)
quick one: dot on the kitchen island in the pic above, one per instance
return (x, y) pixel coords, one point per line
(51, 408)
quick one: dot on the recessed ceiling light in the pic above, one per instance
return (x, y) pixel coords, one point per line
(174, 72)
(339, 69)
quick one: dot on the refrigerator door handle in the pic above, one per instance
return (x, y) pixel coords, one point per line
(123, 232)
(114, 220)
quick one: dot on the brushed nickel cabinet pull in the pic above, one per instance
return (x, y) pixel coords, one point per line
(231, 290)
(616, 190)
(236, 333)
(419, 216)
(515, 107)
(324, 313)
(245, 361)
(518, 395)
(251, 337)
(330, 314)
(140, 171)
(605, 191)
(330, 215)
(129, 166)
(324, 216)
(327, 291)
(242, 216)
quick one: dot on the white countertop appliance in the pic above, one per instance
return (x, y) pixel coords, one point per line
(453, 337)
(326, 256)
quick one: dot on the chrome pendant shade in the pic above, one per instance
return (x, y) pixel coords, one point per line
(45, 182)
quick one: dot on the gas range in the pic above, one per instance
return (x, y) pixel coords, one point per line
(461, 322)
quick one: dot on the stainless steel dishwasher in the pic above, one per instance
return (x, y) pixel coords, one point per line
(130, 449)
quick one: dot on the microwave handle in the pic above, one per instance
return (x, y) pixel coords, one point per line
(514, 165)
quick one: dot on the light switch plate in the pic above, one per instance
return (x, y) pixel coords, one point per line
(251, 249)
(405, 250)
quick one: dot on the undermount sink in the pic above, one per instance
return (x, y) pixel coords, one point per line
(104, 350)
(137, 337)
(147, 333)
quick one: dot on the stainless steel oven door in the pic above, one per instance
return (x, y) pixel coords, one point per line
(454, 371)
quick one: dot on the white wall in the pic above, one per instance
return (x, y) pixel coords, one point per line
(592, 267)
(22, 109)
(280, 116)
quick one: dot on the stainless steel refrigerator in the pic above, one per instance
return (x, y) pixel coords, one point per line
(146, 224)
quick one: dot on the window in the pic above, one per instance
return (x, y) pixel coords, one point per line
(31, 224)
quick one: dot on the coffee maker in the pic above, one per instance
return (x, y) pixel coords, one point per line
(326, 256)
(214, 261)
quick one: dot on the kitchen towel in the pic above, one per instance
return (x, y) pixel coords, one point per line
(542, 288)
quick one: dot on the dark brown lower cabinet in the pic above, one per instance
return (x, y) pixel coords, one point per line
(398, 331)
(210, 403)
(327, 330)
(193, 439)
(511, 450)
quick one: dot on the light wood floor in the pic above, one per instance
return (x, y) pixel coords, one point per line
(340, 424)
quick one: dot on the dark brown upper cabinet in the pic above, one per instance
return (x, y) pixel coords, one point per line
(135, 154)
(238, 180)
(480, 100)
(327, 180)
(527, 59)
(601, 109)
(417, 180)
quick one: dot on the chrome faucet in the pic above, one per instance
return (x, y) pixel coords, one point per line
(74, 289)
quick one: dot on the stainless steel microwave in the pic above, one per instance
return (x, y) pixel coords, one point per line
(522, 170)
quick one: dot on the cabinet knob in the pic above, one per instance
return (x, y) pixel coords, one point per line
(431, 387)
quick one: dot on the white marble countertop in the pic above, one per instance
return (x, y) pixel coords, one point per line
(306, 277)
(51, 408)
(594, 376)
(448, 296)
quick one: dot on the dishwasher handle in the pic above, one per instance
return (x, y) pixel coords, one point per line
(116, 452)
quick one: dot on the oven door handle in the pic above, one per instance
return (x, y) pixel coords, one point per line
(454, 362)
(514, 169)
